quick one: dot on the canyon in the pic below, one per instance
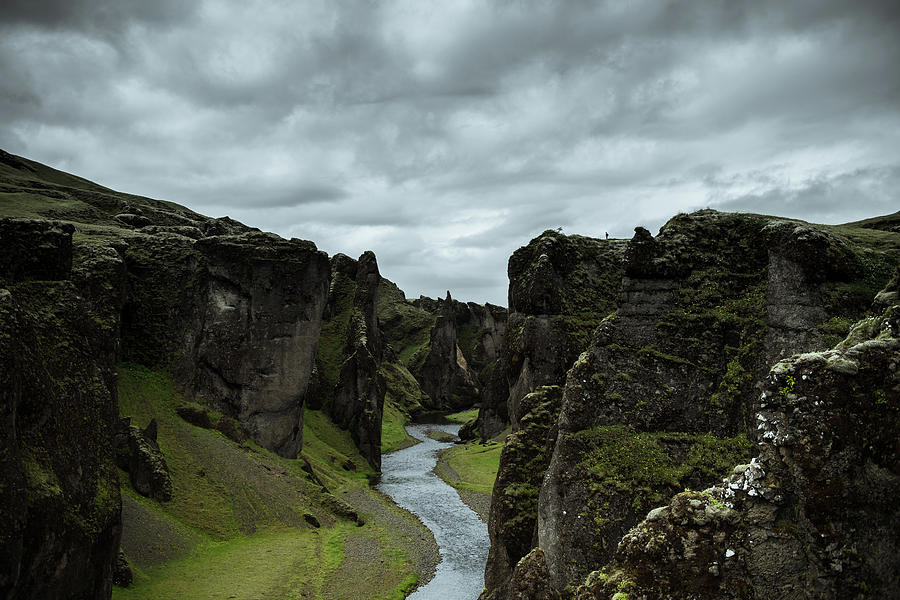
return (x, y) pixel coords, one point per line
(721, 399)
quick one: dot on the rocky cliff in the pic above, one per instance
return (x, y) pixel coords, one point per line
(450, 347)
(250, 346)
(233, 312)
(236, 312)
(662, 398)
(60, 516)
(560, 288)
(813, 515)
(356, 400)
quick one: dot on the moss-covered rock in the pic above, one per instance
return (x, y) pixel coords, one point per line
(60, 516)
(560, 288)
(670, 376)
(514, 502)
(138, 453)
(813, 516)
(357, 400)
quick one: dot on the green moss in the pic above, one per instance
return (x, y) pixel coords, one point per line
(403, 391)
(463, 416)
(405, 327)
(579, 327)
(649, 467)
(40, 479)
(835, 330)
(393, 432)
(333, 337)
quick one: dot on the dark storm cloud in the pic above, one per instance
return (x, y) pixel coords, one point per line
(98, 15)
(444, 134)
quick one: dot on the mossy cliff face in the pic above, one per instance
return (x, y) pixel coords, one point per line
(239, 317)
(60, 516)
(450, 347)
(813, 516)
(514, 502)
(441, 368)
(358, 400)
(662, 399)
(560, 288)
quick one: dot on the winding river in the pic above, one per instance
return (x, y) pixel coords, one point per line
(461, 536)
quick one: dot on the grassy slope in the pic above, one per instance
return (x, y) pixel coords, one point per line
(463, 416)
(235, 526)
(475, 464)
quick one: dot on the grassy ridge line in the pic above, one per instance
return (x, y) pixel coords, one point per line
(235, 526)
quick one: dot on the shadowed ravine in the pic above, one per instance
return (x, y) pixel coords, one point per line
(461, 536)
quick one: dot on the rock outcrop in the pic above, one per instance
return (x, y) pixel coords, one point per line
(441, 368)
(670, 377)
(358, 400)
(662, 398)
(513, 515)
(560, 288)
(813, 516)
(139, 455)
(450, 347)
(251, 348)
(61, 518)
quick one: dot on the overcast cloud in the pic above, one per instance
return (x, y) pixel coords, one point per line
(444, 135)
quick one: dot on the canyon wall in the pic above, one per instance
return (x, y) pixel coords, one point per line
(662, 398)
(61, 510)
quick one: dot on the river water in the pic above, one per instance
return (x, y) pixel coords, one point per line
(461, 536)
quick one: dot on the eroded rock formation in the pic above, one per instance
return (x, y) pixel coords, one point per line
(251, 350)
(662, 398)
(560, 288)
(60, 517)
(358, 400)
(813, 516)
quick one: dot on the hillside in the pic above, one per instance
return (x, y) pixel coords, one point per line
(238, 387)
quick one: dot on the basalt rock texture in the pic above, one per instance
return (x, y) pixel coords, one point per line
(358, 401)
(560, 288)
(513, 514)
(239, 316)
(139, 455)
(450, 347)
(251, 347)
(235, 311)
(60, 520)
(813, 516)
(442, 369)
(662, 399)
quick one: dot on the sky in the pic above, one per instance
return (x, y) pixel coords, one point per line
(444, 135)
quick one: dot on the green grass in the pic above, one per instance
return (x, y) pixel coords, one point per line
(276, 564)
(235, 525)
(476, 465)
(393, 432)
(463, 416)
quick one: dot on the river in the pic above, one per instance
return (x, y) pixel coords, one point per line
(461, 536)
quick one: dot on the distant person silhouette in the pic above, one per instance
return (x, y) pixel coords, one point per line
(607, 235)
